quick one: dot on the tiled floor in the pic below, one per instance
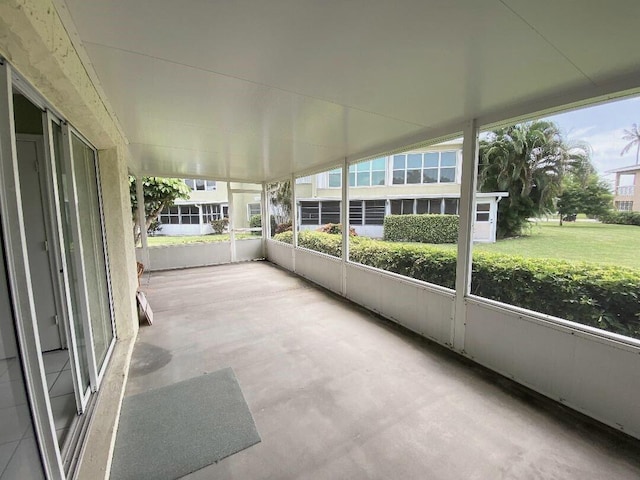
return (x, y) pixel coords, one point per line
(60, 382)
(19, 457)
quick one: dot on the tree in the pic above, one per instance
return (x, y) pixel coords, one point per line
(158, 193)
(591, 198)
(528, 161)
(280, 198)
(633, 136)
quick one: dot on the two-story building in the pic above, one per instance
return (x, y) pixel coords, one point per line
(627, 189)
(208, 201)
(414, 182)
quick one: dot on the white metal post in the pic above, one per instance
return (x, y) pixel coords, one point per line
(465, 236)
(266, 219)
(294, 221)
(232, 233)
(345, 223)
(142, 221)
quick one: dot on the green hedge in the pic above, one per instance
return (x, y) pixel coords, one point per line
(421, 228)
(621, 218)
(605, 297)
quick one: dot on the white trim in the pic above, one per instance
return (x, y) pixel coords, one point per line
(23, 304)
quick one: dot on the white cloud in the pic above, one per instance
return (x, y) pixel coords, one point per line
(606, 146)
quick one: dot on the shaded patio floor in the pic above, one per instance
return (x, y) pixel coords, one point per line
(336, 392)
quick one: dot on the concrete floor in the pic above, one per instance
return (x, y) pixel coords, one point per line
(338, 393)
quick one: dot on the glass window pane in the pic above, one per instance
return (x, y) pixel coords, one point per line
(422, 205)
(413, 176)
(407, 207)
(414, 160)
(211, 185)
(396, 207)
(352, 168)
(430, 175)
(363, 167)
(448, 159)
(451, 206)
(398, 177)
(447, 175)
(379, 163)
(69, 248)
(93, 247)
(199, 184)
(352, 179)
(431, 159)
(378, 178)
(435, 206)
(334, 180)
(190, 183)
(364, 179)
(399, 161)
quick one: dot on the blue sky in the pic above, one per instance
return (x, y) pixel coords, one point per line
(603, 126)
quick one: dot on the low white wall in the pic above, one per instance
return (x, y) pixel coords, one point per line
(280, 254)
(592, 374)
(184, 256)
(320, 268)
(421, 308)
(249, 249)
(597, 376)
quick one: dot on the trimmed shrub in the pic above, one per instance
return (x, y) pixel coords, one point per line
(605, 297)
(255, 222)
(421, 228)
(219, 225)
(621, 218)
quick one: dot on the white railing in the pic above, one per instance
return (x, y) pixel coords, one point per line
(625, 190)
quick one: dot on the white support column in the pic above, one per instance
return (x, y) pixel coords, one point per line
(142, 221)
(294, 220)
(232, 233)
(266, 219)
(345, 223)
(465, 236)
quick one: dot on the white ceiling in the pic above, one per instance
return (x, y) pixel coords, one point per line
(254, 90)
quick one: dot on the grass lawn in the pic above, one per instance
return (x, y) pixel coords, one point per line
(585, 241)
(160, 241)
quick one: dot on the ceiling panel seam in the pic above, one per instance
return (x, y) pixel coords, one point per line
(549, 42)
(253, 82)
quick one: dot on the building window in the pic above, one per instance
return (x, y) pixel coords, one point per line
(180, 214)
(329, 212)
(355, 212)
(309, 213)
(367, 212)
(402, 207)
(482, 212)
(451, 206)
(429, 205)
(626, 206)
(335, 178)
(253, 209)
(368, 174)
(211, 212)
(428, 167)
(374, 212)
(199, 184)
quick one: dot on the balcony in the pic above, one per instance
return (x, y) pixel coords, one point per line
(626, 190)
(337, 392)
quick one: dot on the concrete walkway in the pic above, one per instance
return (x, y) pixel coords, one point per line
(338, 393)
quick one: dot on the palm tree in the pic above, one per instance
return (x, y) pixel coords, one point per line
(527, 160)
(633, 136)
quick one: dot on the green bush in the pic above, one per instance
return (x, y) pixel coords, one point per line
(219, 225)
(621, 218)
(421, 228)
(605, 297)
